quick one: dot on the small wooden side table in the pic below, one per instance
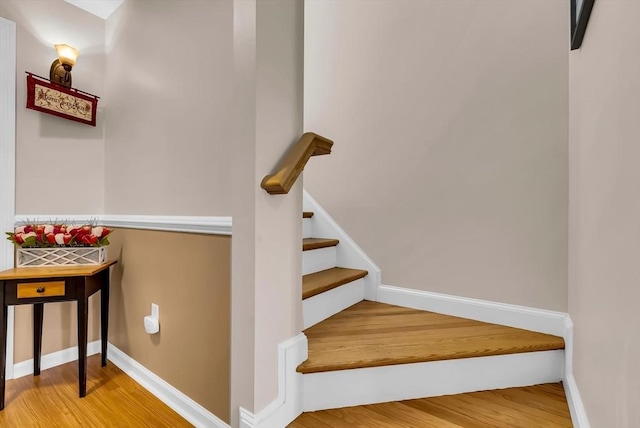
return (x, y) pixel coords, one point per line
(39, 285)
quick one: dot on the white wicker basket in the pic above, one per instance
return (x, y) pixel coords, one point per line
(61, 256)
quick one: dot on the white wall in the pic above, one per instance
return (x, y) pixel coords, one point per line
(169, 83)
(59, 163)
(450, 122)
(604, 252)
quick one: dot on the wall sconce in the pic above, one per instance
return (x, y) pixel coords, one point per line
(60, 72)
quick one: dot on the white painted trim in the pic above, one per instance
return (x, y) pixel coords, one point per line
(320, 259)
(323, 305)
(191, 224)
(51, 218)
(342, 388)
(576, 407)
(7, 160)
(288, 405)
(178, 401)
(540, 320)
(186, 224)
(349, 254)
(54, 359)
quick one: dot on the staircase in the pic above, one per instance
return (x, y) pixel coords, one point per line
(362, 352)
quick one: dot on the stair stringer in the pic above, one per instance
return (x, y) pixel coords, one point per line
(348, 253)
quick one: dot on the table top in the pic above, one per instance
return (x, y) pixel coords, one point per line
(54, 271)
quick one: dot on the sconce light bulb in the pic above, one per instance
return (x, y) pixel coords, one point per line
(67, 55)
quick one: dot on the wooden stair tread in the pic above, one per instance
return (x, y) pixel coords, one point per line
(307, 214)
(325, 280)
(371, 334)
(529, 406)
(317, 243)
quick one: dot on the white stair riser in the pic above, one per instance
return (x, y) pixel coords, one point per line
(317, 260)
(307, 228)
(343, 388)
(324, 305)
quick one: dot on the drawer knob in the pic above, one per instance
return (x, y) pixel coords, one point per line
(40, 290)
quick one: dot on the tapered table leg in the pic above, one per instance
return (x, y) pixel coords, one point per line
(83, 301)
(38, 310)
(3, 344)
(104, 314)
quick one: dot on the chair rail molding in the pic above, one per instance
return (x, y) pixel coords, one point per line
(207, 225)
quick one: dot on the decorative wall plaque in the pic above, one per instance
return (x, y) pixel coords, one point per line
(68, 103)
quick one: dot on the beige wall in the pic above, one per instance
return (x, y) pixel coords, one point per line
(604, 252)
(169, 95)
(450, 121)
(188, 276)
(59, 163)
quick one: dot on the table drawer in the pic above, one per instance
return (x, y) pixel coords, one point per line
(30, 290)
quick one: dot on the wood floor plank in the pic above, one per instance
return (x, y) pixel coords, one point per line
(113, 400)
(317, 243)
(325, 280)
(410, 417)
(371, 334)
(472, 410)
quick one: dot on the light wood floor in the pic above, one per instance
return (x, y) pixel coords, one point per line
(530, 407)
(113, 400)
(371, 334)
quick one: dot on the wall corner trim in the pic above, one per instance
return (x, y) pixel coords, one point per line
(288, 405)
(178, 401)
(188, 224)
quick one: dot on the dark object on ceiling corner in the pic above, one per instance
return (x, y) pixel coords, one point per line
(580, 13)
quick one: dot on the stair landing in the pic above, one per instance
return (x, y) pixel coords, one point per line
(525, 407)
(371, 334)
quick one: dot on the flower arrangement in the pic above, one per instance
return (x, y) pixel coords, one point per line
(59, 235)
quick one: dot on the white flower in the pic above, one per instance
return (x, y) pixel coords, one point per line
(60, 238)
(28, 235)
(48, 228)
(19, 229)
(97, 231)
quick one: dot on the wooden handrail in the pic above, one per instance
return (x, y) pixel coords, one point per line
(308, 145)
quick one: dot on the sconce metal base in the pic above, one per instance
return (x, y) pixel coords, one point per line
(60, 74)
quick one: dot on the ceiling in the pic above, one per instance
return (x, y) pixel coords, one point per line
(101, 8)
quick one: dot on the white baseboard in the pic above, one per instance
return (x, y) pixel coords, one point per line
(324, 305)
(317, 260)
(47, 361)
(349, 254)
(540, 320)
(288, 405)
(343, 388)
(178, 401)
(576, 407)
